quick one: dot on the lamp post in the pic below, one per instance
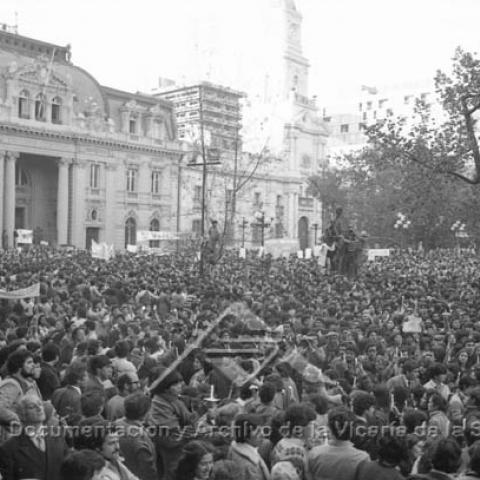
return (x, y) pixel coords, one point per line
(402, 223)
(315, 228)
(260, 218)
(459, 230)
(243, 226)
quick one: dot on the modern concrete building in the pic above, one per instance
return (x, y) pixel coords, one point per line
(218, 107)
(80, 161)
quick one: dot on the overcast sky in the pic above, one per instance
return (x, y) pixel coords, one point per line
(128, 44)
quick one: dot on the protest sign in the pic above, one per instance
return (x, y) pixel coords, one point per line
(377, 252)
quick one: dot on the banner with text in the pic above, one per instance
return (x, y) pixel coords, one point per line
(29, 292)
(147, 235)
(377, 252)
(24, 236)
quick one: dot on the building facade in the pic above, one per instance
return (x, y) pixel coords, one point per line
(218, 108)
(264, 166)
(80, 161)
(373, 104)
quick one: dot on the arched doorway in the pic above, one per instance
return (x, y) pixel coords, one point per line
(155, 227)
(130, 232)
(303, 232)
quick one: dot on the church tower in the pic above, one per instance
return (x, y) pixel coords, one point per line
(295, 65)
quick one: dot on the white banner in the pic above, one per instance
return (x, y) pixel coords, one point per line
(308, 253)
(24, 236)
(102, 250)
(29, 292)
(242, 253)
(377, 252)
(278, 247)
(147, 236)
(132, 248)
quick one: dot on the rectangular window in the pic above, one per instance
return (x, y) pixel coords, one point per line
(197, 193)
(131, 180)
(56, 113)
(132, 126)
(279, 201)
(94, 176)
(344, 128)
(229, 195)
(23, 108)
(257, 198)
(155, 183)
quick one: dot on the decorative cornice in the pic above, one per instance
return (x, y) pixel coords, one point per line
(88, 140)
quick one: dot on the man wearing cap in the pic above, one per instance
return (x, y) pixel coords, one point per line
(170, 413)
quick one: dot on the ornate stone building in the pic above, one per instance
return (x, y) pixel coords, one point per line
(80, 161)
(282, 120)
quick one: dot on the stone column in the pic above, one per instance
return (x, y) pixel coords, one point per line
(9, 203)
(78, 204)
(62, 202)
(110, 199)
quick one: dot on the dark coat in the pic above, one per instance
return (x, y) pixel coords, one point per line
(49, 381)
(137, 449)
(21, 459)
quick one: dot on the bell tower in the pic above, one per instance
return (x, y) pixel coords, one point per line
(296, 66)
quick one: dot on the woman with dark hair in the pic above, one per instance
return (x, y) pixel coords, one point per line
(196, 462)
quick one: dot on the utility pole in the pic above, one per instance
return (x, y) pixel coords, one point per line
(204, 174)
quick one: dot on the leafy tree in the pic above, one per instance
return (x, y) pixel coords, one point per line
(443, 142)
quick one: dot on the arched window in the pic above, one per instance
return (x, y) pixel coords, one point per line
(94, 215)
(130, 232)
(40, 107)
(21, 178)
(24, 104)
(155, 227)
(56, 110)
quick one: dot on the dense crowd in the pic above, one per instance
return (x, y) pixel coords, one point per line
(256, 369)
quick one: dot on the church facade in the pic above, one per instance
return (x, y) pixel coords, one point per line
(80, 161)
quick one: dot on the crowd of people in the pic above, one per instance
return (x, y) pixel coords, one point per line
(141, 367)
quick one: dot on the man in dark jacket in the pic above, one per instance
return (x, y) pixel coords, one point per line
(49, 380)
(136, 446)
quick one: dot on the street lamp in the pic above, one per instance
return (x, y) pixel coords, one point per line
(260, 218)
(315, 228)
(243, 226)
(402, 222)
(459, 229)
